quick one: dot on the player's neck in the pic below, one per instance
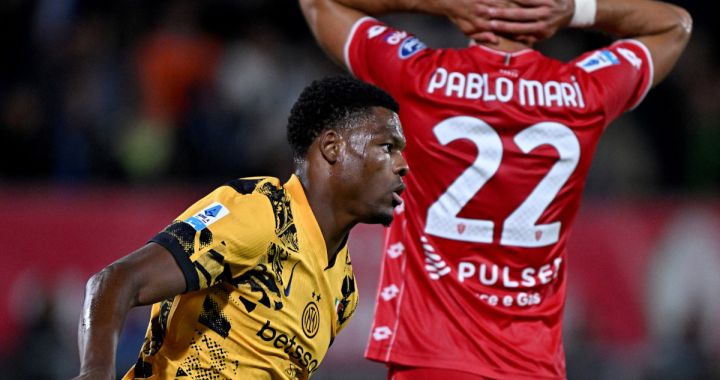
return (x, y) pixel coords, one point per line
(505, 44)
(334, 225)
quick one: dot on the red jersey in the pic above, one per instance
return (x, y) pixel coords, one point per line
(499, 146)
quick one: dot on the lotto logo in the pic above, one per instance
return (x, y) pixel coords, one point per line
(396, 37)
(434, 263)
(375, 31)
(631, 57)
(395, 250)
(381, 333)
(389, 292)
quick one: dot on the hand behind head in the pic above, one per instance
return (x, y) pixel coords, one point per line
(524, 21)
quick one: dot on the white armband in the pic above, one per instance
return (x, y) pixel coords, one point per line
(584, 13)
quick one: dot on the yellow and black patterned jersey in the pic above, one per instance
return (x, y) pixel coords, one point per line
(262, 301)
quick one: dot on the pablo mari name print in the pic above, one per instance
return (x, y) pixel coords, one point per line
(481, 86)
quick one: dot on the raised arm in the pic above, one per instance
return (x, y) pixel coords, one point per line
(331, 20)
(331, 24)
(662, 27)
(143, 277)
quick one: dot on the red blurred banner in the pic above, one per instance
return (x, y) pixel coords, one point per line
(634, 267)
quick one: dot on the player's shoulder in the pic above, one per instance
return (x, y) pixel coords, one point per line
(246, 192)
(252, 185)
(628, 52)
(371, 31)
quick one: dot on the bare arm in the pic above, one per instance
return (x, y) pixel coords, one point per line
(331, 20)
(330, 23)
(470, 16)
(663, 28)
(143, 277)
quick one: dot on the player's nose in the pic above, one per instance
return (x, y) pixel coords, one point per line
(401, 166)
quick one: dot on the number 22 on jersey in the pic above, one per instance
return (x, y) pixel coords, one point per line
(520, 229)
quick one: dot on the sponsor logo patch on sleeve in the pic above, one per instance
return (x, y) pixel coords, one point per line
(375, 31)
(396, 37)
(598, 60)
(410, 46)
(631, 57)
(208, 216)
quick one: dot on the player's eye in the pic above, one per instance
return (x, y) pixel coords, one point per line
(387, 147)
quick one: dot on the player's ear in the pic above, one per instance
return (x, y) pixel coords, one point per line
(330, 142)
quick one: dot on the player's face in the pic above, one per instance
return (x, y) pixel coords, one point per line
(373, 166)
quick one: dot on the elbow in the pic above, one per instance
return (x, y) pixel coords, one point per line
(683, 22)
(309, 7)
(114, 280)
(109, 275)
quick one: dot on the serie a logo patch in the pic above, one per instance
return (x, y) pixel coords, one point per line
(598, 60)
(207, 216)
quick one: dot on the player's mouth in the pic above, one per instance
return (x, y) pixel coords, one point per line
(397, 199)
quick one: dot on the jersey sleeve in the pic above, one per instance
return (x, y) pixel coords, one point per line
(378, 54)
(219, 237)
(621, 73)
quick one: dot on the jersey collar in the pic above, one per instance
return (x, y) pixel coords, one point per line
(505, 57)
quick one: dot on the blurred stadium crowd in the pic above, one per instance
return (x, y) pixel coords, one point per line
(148, 91)
(193, 93)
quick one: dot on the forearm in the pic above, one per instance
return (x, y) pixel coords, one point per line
(330, 23)
(380, 7)
(663, 28)
(639, 18)
(143, 277)
(331, 20)
(107, 301)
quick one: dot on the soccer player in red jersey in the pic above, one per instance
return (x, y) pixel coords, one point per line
(500, 141)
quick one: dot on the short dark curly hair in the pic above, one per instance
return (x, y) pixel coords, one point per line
(332, 102)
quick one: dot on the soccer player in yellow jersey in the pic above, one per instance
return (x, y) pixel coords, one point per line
(254, 281)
